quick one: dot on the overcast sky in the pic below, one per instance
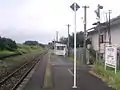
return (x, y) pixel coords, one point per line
(40, 19)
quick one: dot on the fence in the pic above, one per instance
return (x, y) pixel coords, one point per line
(79, 54)
(91, 55)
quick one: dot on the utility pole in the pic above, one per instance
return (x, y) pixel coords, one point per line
(109, 31)
(56, 35)
(98, 25)
(68, 39)
(99, 32)
(85, 32)
(54, 45)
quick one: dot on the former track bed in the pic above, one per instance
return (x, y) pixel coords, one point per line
(12, 81)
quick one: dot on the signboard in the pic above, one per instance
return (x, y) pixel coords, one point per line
(75, 8)
(111, 57)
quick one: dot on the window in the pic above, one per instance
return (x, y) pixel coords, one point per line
(102, 55)
(60, 47)
(102, 38)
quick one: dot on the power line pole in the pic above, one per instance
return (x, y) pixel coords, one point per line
(56, 35)
(99, 32)
(85, 35)
(98, 25)
(109, 33)
(68, 39)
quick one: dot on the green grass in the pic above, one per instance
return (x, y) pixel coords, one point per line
(108, 75)
(22, 49)
(26, 49)
(5, 52)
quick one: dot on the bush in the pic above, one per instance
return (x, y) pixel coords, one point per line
(92, 52)
(108, 75)
(92, 60)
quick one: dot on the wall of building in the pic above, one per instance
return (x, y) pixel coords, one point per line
(115, 35)
(115, 38)
(94, 39)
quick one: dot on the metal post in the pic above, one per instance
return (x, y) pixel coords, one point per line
(54, 47)
(68, 39)
(88, 61)
(105, 36)
(96, 56)
(98, 32)
(109, 33)
(75, 7)
(75, 86)
(85, 9)
(104, 44)
(98, 40)
(56, 35)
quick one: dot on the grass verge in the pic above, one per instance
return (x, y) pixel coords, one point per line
(108, 75)
(48, 77)
(22, 49)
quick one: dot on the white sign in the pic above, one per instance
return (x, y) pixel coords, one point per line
(111, 57)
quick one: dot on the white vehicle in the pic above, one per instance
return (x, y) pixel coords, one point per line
(60, 49)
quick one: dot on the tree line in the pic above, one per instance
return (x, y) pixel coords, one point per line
(79, 40)
(33, 43)
(11, 45)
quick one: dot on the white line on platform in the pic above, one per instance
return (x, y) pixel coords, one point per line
(70, 72)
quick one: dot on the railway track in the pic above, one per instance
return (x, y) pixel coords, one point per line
(13, 80)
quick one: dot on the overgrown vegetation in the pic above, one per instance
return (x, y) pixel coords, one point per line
(27, 49)
(108, 75)
(22, 53)
(7, 44)
(8, 47)
(22, 49)
(10, 64)
(92, 53)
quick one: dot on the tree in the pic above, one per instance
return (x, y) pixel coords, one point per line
(71, 39)
(64, 40)
(31, 43)
(42, 45)
(7, 44)
(79, 40)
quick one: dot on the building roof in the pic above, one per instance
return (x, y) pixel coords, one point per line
(104, 26)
